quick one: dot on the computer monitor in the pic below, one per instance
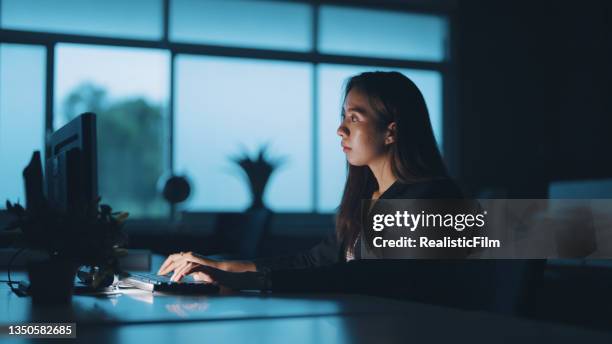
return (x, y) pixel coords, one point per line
(71, 168)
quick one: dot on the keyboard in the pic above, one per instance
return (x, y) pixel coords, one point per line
(153, 282)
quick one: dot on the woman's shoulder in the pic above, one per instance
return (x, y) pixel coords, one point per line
(427, 189)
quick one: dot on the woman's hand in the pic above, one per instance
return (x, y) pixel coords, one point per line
(230, 280)
(180, 261)
(184, 261)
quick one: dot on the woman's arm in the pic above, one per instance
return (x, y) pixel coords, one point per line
(453, 282)
(361, 276)
(324, 253)
(236, 266)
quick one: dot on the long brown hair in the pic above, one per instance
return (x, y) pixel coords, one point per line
(414, 155)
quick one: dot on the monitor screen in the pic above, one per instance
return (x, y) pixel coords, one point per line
(71, 167)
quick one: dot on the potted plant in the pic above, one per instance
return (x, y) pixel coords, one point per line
(71, 240)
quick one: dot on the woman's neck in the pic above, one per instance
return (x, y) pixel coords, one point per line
(383, 174)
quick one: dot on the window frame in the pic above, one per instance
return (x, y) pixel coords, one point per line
(446, 68)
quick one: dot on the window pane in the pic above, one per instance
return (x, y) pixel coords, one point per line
(374, 33)
(118, 18)
(260, 24)
(226, 104)
(332, 161)
(22, 114)
(128, 89)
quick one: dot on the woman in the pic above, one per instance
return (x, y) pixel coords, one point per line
(391, 153)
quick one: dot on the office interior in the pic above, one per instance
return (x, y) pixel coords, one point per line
(518, 95)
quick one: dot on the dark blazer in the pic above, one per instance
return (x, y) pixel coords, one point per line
(330, 250)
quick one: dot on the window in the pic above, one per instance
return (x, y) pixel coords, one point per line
(261, 24)
(117, 18)
(22, 114)
(365, 32)
(245, 74)
(227, 105)
(128, 89)
(332, 162)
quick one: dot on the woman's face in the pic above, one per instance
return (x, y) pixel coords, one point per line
(361, 141)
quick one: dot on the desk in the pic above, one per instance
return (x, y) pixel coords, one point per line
(142, 317)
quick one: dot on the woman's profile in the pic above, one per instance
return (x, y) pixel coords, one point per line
(391, 153)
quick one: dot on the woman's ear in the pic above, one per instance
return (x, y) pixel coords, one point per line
(391, 133)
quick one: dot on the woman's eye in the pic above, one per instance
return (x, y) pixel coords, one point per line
(351, 117)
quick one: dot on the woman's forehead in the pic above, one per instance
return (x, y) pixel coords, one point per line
(357, 101)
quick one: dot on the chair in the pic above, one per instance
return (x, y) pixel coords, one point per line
(239, 235)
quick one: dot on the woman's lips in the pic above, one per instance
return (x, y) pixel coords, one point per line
(345, 149)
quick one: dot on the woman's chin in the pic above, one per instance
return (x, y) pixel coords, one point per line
(354, 162)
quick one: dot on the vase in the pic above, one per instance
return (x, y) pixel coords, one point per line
(257, 200)
(257, 185)
(51, 281)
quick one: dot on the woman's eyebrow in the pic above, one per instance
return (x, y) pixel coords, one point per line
(357, 109)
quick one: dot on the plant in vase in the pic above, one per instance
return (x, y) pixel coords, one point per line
(258, 171)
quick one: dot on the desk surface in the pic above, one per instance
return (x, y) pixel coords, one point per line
(138, 316)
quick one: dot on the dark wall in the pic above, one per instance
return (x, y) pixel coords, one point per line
(533, 93)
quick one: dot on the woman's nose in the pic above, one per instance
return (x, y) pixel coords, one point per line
(342, 131)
